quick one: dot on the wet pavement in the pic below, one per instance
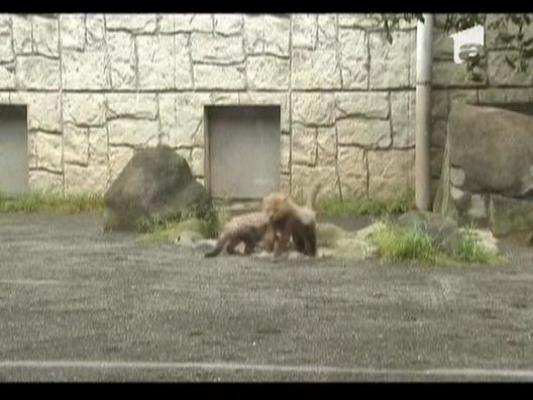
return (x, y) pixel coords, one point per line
(78, 305)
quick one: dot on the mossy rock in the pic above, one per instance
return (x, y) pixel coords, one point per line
(333, 241)
(155, 186)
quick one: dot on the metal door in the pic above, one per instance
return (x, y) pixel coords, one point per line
(13, 150)
(243, 151)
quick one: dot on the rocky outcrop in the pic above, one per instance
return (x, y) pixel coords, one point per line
(487, 170)
(155, 185)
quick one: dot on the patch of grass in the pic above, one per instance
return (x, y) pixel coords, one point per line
(365, 206)
(469, 250)
(400, 244)
(43, 202)
(208, 223)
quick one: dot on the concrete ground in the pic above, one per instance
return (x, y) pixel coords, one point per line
(78, 305)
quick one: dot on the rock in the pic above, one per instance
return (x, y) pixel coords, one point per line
(204, 245)
(508, 215)
(354, 248)
(188, 238)
(328, 234)
(485, 239)
(487, 169)
(333, 241)
(481, 141)
(38, 72)
(155, 185)
(367, 232)
(446, 233)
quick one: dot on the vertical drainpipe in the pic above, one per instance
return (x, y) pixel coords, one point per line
(424, 58)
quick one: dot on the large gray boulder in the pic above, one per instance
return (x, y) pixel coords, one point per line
(487, 169)
(155, 185)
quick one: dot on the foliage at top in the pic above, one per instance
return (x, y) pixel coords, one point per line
(510, 32)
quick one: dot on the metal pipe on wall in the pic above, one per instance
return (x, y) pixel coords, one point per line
(424, 58)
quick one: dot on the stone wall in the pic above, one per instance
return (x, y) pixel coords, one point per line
(97, 86)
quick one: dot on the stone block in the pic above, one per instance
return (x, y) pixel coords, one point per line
(219, 77)
(37, 72)
(46, 151)
(7, 76)
(228, 24)
(389, 62)
(268, 72)
(22, 41)
(122, 59)
(133, 132)
(133, 106)
(360, 20)
(95, 31)
(390, 173)
(304, 30)
(207, 48)
(327, 31)
(266, 98)
(85, 70)
(119, 156)
(84, 109)
(43, 109)
(45, 182)
(45, 33)
(156, 62)
(352, 170)
(313, 108)
(72, 31)
(362, 104)
(304, 145)
(403, 116)
(369, 133)
(136, 23)
(315, 69)
(92, 179)
(354, 58)
(75, 145)
(6, 49)
(304, 177)
(326, 146)
(266, 34)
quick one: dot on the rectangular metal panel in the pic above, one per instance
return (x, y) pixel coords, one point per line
(13, 150)
(244, 151)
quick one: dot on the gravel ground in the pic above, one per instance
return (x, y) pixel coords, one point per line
(78, 305)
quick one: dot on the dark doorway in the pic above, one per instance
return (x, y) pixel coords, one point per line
(13, 150)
